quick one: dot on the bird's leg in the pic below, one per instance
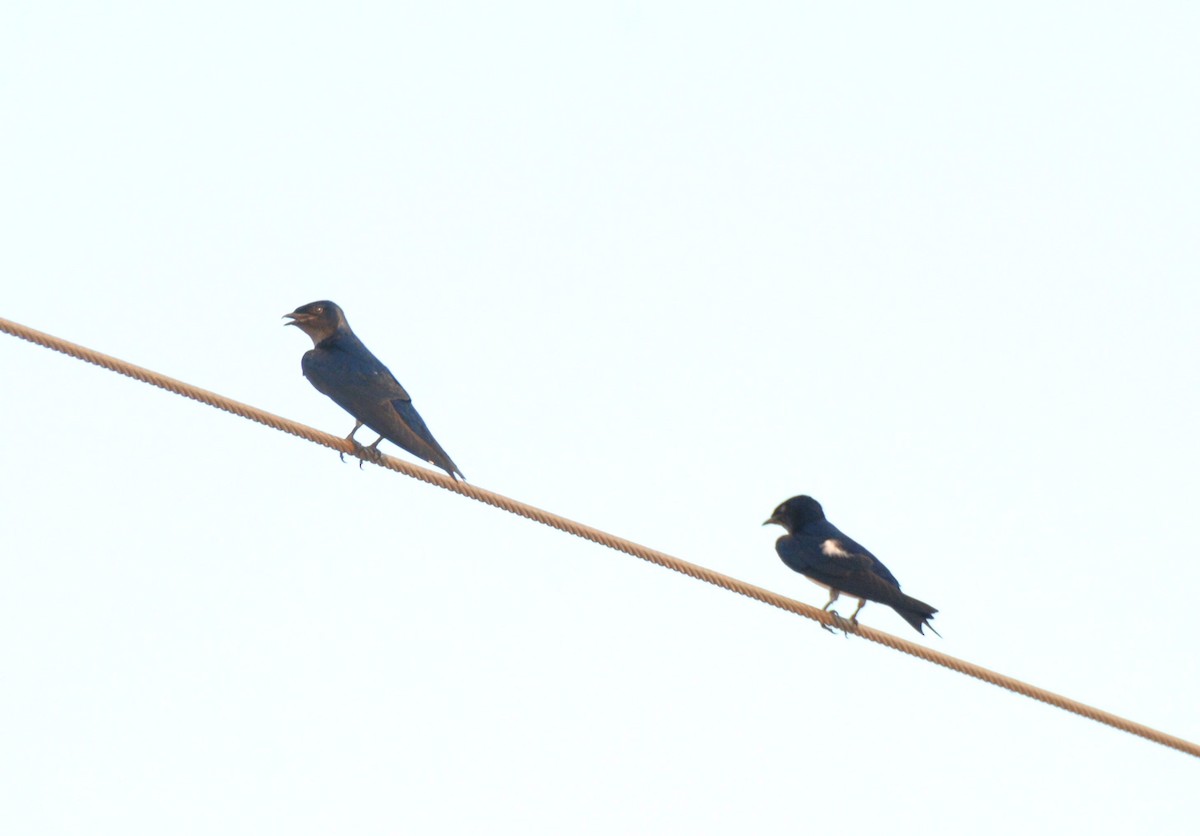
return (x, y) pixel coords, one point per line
(372, 450)
(352, 440)
(862, 602)
(833, 596)
(845, 625)
(839, 622)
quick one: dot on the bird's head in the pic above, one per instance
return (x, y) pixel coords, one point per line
(796, 513)
(320, 320)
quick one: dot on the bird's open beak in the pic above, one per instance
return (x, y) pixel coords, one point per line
(294, 317)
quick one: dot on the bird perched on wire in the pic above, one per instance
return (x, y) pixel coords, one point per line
(815, 548)
(340, 366)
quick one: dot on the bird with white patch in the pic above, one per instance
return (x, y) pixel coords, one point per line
(817, 549)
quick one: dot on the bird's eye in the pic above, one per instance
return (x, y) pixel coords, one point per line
(319, 309)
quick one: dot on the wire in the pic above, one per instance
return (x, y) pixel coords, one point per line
(620, 544)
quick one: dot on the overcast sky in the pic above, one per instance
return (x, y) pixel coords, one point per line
(653, 266)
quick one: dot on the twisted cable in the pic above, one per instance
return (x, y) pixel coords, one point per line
(612, 541)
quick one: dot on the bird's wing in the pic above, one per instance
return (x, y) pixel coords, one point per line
(384, 382)
(355, 379)
(826, 530)
(408, 413)
(412, 434)
(364, 371)
(875, 566)
(350, 369)
(836, 563)
(381, 376)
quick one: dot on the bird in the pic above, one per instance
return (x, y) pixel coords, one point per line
(340, 366)
(817, 549)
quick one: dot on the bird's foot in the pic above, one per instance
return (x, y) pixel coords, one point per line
(371, 453)
(361, 453)
(847, 626)
(833, 613)
(354, 441)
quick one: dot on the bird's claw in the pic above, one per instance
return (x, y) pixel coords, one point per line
(847, 626)
(361, 453)
(832, 614)
(370, 453)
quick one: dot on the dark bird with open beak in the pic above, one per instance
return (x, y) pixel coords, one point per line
(340, 366)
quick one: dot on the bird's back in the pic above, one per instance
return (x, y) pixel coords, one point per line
(822, 553)
(808, 549)
(343, 364)
(354, 378)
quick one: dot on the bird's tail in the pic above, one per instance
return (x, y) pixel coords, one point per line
(917, 613)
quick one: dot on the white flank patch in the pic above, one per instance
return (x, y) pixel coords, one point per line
(832, 548)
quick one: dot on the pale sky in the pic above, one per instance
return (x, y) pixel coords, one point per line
(656, 267)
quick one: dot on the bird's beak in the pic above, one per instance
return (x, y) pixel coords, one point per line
(773, 521)
(294, 317)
